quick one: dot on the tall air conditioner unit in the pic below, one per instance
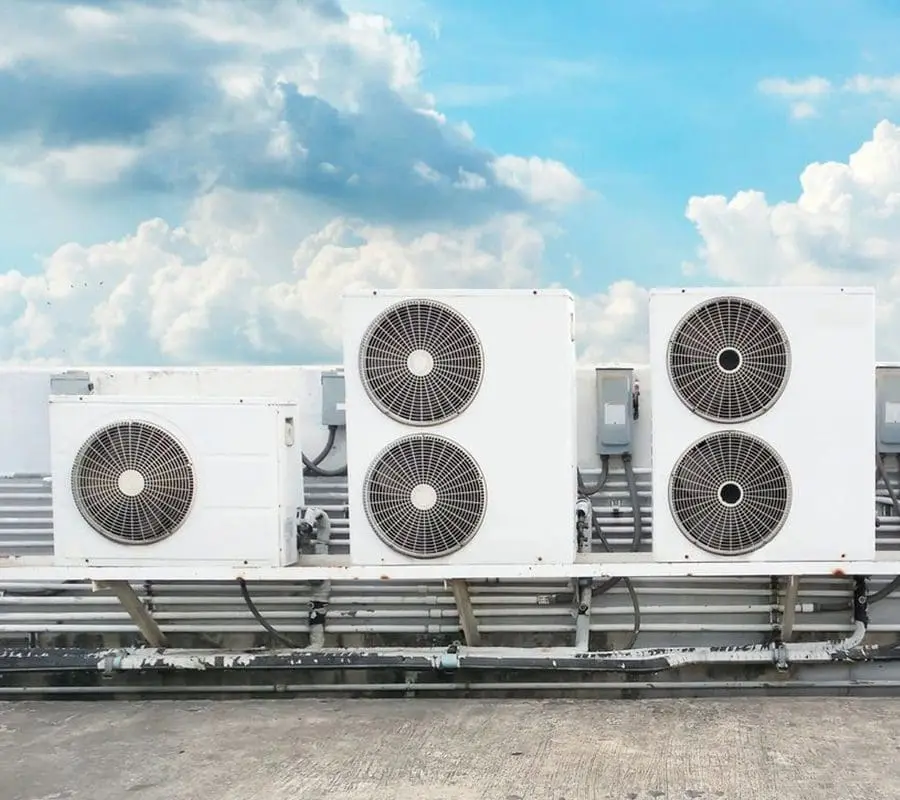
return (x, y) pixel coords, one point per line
(460, 427)
(152, 481)
(763, 412)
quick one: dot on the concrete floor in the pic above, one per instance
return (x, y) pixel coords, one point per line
(784, 749)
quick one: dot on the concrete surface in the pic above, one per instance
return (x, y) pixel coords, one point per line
(789, 749)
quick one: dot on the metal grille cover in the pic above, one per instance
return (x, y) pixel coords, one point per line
(421, 362)
(425, 496)
(133, 482)
(729, 360)
(730, 493)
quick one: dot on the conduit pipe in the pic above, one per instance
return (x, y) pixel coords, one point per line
(454, 658)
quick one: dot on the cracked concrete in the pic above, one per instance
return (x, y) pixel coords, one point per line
(755, 749)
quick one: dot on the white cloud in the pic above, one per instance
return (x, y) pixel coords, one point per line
(83, 164)
(314, 158)
(844, 228)
(802, 94)
(807, 87)
(871, 84)
(238, 281)
(542, 181)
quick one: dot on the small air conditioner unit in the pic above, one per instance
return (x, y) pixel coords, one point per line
(763, 412)
(173, 482)
(461, 427)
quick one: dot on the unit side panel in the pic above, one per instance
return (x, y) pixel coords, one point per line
(519, 429)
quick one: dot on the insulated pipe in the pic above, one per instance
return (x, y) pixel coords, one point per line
(785, 686)
(453, 658)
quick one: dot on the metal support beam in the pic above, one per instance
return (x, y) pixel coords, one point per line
(789, 607)
(467, 620)
(138, 612)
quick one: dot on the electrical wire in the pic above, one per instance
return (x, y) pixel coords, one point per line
(245, 593)
(312, 465)
(636, 540)
(586, 490)
(632, 594)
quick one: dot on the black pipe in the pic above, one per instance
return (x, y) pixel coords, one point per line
(149, 660)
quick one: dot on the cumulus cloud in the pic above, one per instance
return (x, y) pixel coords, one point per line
(238, 282)
(314, 159)
(263, 96)
(844, 228)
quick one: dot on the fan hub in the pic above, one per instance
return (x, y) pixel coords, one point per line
(423, 497)
(130, 482)
(729, 360)
(420, 363)
(730, 494)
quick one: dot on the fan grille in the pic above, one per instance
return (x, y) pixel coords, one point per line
(133, 482)
(730, 493)
(729, 360)
(425, 496)
(421, 362)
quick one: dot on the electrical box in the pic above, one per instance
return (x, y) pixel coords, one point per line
(615, 419)
(887, 381)
(71, 382)
(333, 404)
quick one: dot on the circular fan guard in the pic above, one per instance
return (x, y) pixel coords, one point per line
(133, 482)
(729, 360)
(730, 493)
(421, 362)
(425, 496)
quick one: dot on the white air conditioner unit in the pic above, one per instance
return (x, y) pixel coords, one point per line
(174, 482)
(461, 440)
(763, 412)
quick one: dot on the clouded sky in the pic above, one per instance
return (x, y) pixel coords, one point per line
(197, 180)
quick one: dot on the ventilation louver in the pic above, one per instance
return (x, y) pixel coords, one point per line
(133, 482)
(425, 496)
(729, 360)
(421, 362)
(730, 493)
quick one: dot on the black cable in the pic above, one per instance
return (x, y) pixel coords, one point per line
(629, 586)
(245, 593)
(586, 490)
(891, 587)
(312, 465)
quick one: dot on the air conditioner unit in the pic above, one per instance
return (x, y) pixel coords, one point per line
(763, 412)
(173, 482)
(461, 427)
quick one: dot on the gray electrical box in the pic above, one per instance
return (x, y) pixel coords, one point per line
(333, 405)
(615, 410)
(887, 382)
(72, 381)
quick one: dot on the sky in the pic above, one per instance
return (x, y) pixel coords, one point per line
(197, 181)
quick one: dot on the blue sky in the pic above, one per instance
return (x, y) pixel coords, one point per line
(652, 102)
(425, 142)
